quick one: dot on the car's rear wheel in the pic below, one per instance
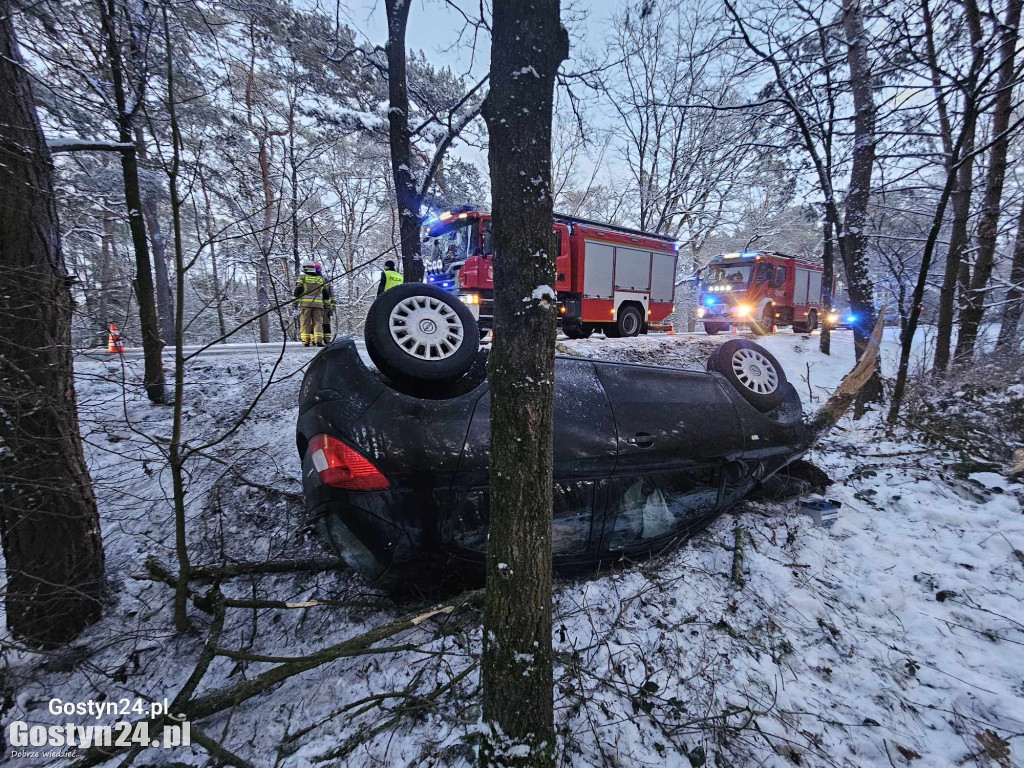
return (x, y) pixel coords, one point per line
(630, 321)
(752, 370)
(418, 333)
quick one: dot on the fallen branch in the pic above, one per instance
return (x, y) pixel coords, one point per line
(157, 571)
(183, 707)
(737, 558)
(415, 703)
(840, 400)
(214, 702)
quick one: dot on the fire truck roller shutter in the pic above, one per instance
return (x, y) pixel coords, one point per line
(599, 263)
(632, 269)
(663, 277)
(814, 289)
(800, 287)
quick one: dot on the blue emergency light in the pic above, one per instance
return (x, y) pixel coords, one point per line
(710, 301)
(851, 318)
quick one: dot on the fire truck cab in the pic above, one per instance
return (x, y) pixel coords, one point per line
(609, 278)
(760, 289)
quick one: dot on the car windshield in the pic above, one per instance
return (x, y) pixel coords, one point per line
(729, 273)
(453, 245)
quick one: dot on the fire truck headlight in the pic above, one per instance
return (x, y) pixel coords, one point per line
(701, 311)
(742, 310)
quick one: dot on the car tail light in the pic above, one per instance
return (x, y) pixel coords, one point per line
(341, 466)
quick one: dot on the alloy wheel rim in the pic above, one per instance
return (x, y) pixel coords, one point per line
(755, 371)
(426, 328)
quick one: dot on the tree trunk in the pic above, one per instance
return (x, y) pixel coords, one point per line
(528, 45)
(48, 517)
(104, 271)
(176, 452)
(855, 239)
(1015, 295)
(153, 376)
(828, 278)
(266, 243)
(953, 275)
(406, 194)
(988, 223)
(218, 294)
(151, 211)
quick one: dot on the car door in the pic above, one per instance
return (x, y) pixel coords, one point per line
(669, 417)
(584, 457)
(679, 437)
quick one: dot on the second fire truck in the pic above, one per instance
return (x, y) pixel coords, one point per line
(761, 289)
(609, 278)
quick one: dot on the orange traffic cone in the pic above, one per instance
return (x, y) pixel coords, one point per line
(671, 329)
(114, 344)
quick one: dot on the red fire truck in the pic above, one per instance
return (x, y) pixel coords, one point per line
(760, 289)
(609, 278)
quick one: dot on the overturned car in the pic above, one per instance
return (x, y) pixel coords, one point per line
(395, 459)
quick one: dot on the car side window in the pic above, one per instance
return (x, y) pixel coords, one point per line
(780, 276)
(656, 506)
(573, 515)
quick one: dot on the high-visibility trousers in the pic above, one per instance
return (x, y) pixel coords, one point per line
(311, 325)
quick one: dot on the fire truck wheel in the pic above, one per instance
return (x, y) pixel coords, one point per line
(712, 328)
(752, 370)
(812, 322)
(630, 321)
(418, 333)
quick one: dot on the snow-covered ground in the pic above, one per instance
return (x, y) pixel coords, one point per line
(895, 637)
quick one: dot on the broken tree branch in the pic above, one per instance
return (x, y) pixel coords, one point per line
(217, 701)
(737, 558)
(840, 400)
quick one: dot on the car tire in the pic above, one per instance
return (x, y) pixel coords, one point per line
(752, 370)
(418, 333)
(712, 328)
(629, 322)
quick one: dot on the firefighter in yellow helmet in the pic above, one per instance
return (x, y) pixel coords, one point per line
(389, 278)
(312, 292)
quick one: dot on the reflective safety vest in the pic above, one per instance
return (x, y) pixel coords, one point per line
(392, 278)
(312, 290)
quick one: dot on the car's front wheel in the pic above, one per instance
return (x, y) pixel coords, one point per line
(418, 333)
(752, 370)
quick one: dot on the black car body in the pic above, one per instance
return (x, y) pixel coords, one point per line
(644, 456)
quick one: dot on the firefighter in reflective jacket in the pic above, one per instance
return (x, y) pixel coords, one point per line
(312, 292)
(389, 278)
